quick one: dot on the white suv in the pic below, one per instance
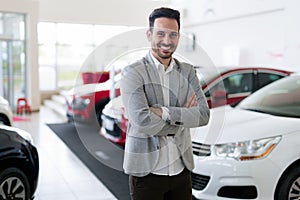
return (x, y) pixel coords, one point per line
(6, 114)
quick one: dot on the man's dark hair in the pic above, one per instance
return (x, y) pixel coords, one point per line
(164, 12)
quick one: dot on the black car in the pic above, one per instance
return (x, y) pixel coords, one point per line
(19, 164)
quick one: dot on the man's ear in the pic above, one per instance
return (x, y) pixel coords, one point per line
(148, 33)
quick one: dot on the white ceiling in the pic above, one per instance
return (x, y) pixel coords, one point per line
(112, 12)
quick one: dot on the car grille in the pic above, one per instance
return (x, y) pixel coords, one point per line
(200, 149)
(199, 182)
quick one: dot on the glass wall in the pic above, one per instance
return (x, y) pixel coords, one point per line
(64, 47)
(12, 56)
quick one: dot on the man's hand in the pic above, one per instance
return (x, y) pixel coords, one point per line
(191, 102)
(157, 111)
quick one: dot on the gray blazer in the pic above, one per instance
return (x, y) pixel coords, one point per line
(141, 89)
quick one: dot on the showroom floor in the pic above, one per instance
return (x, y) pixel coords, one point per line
(62, 175)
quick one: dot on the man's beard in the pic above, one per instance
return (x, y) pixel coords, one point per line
(159, 48)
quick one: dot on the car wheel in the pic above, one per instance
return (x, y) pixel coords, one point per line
(4, 120)
(289, 188)
(13, 185)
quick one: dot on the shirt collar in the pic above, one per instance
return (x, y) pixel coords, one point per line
(157, 63)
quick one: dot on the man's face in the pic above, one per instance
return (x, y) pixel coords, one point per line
(164, 38)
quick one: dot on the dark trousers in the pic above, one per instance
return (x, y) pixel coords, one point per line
(157, 187)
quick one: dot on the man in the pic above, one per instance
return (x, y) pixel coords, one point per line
(163, 100)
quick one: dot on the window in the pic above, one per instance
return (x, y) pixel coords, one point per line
(13, 56)
(64, 47)
(237, 83)
(266, 78)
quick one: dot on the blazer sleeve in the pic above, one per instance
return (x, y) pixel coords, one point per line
(193, 116)
(136, 105)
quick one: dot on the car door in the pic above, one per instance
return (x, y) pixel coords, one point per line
(231, 88)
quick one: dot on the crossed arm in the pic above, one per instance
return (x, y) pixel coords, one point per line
(192, 101)
(145, 119)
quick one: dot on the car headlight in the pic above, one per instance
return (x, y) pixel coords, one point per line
(247, 150)
(80, 103)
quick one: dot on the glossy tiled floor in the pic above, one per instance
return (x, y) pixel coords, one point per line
(62, 175)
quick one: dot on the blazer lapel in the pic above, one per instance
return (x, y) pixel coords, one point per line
(174, 84)
(154, 79)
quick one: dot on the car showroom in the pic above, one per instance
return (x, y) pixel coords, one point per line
(63, 121)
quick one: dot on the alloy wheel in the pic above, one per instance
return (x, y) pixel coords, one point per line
(295, 190)
(12, 188)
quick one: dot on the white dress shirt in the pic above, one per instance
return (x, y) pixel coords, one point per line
(169, 162)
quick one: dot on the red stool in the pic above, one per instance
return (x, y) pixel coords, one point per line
(22, 106)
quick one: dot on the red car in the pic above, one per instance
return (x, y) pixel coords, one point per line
(221, 86)
(86, 102)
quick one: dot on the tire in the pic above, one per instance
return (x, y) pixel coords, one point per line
(4, 120)
(289, 187)
(14, 185)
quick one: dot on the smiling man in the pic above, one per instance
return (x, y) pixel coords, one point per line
(164, 36)
(163, 100)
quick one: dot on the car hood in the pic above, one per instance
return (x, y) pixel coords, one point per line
(96, 87)
(114, 108)
(229, 124)
(6, 109)
(24, 134)
(90, 88)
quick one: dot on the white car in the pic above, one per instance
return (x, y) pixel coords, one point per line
(114, 123)
(251, 151)
(6, 114)
(222, 85)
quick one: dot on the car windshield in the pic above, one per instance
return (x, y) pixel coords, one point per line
(281, 98)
